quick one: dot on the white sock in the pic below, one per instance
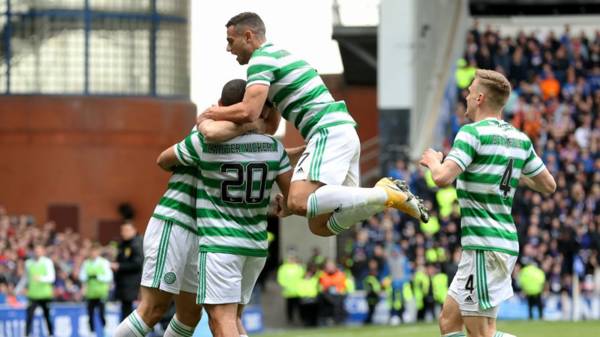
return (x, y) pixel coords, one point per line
(243, 335)
(455, 334)
(503, 334)
(132, 326)
(349, 205)
(178, 329)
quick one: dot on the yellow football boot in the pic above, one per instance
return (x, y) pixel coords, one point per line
(400, 198)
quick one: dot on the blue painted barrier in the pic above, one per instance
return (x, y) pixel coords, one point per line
(71, 320)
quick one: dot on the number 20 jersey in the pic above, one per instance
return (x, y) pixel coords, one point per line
(234, 187)
(492, 155)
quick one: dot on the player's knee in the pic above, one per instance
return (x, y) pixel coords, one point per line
(319, 228)
(190, 317)
(447, 323)
(151, 313)
(296, 205)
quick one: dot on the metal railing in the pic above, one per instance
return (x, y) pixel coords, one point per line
(94, 47)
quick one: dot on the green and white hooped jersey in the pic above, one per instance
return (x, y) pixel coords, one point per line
(234, 187)
(296, 89)
(493, 155)
(178, 203)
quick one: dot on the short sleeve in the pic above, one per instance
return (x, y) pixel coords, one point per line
(465, 147)
(188, 150)
(261, 69)
(533, 164)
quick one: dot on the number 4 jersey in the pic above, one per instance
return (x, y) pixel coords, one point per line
(234, 187)
(493, 155)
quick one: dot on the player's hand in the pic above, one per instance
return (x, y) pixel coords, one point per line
(206, 114)
(260, 125)
(281, 209)
(114, 266)
(431, 157)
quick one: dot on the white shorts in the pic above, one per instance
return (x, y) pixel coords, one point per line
(227, 278)
(170, 257)
(482, 282)
(332, 156)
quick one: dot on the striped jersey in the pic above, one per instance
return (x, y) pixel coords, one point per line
(178, 203)
(234, 187)
(296, 89)
(493, 155)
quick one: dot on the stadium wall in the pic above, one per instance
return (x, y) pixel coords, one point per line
(87, 153)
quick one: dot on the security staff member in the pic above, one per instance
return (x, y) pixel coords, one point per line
(128, 268)
(40, 276)
(96, 275)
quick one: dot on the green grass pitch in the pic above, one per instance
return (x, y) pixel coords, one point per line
(518, 328)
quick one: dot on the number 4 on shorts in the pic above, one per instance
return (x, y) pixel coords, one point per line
(469, 284)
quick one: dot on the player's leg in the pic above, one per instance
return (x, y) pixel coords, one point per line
(187, 316)
(222, 319)
(331, 157)
(480, 326)
(188, 313)
(492, 282)
(252, 268)
(165, 251)
(241, 330)
(450, 321)
(220, 290)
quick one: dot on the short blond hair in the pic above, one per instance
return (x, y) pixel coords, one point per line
(495, 85)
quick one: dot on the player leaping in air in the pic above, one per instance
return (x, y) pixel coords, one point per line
(325, 180)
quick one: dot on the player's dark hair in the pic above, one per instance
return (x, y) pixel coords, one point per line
(233, 92)
(250, 20)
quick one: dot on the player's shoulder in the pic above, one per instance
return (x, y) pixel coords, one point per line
(517, 136)
(268, 52)
(470, 128)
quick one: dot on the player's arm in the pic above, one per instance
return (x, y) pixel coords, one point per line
(248, 110)
(543, 182)
(443, 173)
(283, 181)
(294, 154)
(272, 121)
(220, 131)
(167, 160)
(184, 153)
(284, 178)
(536, 175)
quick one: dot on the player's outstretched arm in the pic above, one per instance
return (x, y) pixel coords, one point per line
(443, 173)
(543, 182)
(221, 131)
(248, 110)
(167, 160)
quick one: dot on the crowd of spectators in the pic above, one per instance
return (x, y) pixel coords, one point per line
(556, 101)
(18, 236)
